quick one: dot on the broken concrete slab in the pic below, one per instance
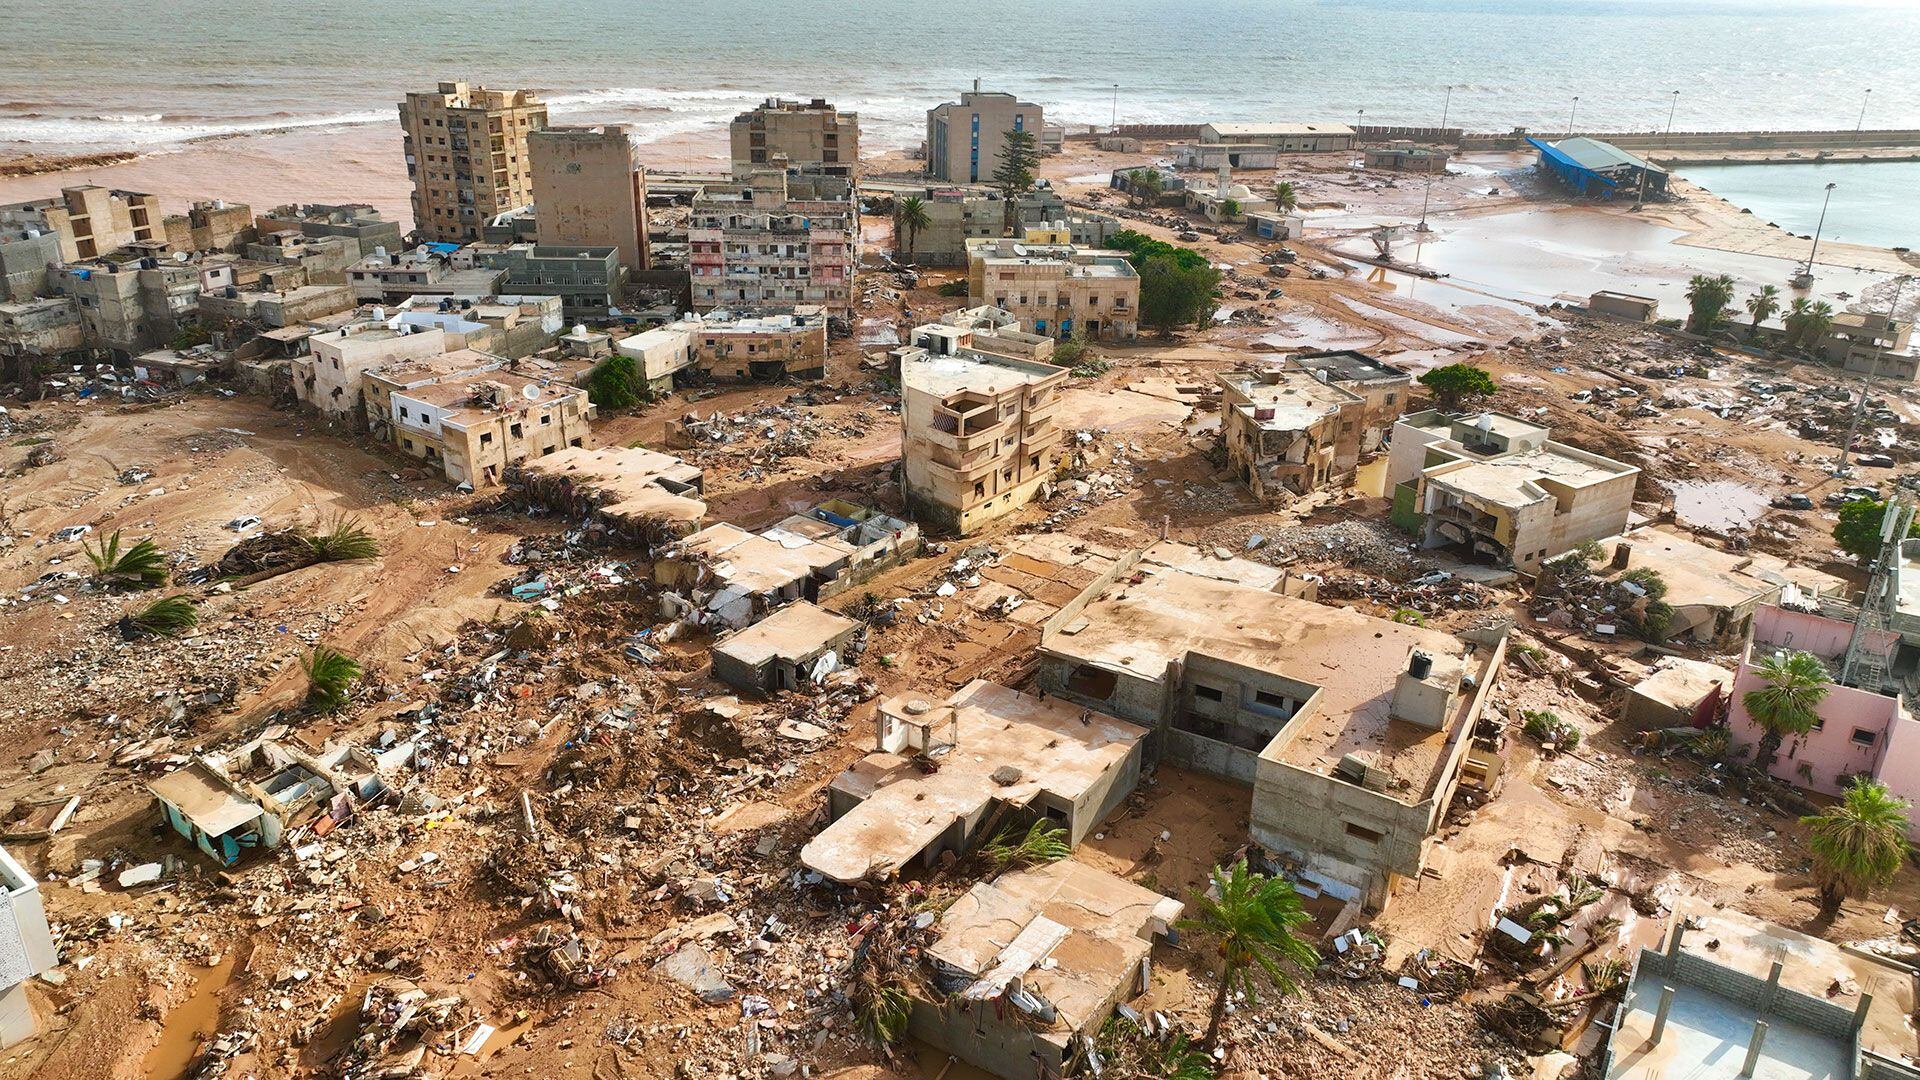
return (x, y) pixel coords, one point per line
(692, 967)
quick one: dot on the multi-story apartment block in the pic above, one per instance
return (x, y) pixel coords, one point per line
(589, 189)
(354, 221)
(25, 254)
(955, 215)
(466, 149)
(89, 220)
(806, 133)
(41, 326)
(718, 345)
(1057, 290)
(1287, 432)
(474, 430)
(1383, 386)
(780, 238)
(428, 270)
(586, 279)
(331, 377)
(979, 433)
(966, 139)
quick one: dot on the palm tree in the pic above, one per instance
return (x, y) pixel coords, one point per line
(1285, 198)
(1762, 306)
(1044, 842)
(1858, 845)
(345, 541)
(1790, 702)
(1818, 325)
(141, 566)
(1709, 297)
(169, 616)
(909, 216)
(1144, 186)
(330, 673)
(1254, 917)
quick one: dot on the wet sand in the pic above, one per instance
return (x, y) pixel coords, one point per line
(353, 164)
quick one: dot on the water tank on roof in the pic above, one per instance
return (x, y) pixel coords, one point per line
(530, 392)
(379, 314)
(579, 329)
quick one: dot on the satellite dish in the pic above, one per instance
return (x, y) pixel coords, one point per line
(181, 256)
(530, 392)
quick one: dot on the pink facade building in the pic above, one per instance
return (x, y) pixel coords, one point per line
(1860, 732)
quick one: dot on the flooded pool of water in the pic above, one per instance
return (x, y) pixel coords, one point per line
(194, 1020)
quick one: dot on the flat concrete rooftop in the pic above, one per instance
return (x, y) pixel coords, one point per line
(1295, 399)
(1513, 479)
(1052, 746)
(629, 482)
(794, 632)
(942, 374)
(763, 562)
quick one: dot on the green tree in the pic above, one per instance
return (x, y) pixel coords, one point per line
(141, 566)
(616, 384)
(1230, 209)
(909, 217)
(1141, 247)
(1043, 842)
(1789, 703)
(1456, 385)
(345, 541)
(1019, 157)
(1253, 918)
(169, 616)
(1707, 298)
(1286, 198)
(1858, 532)
(1144, 187)
(1762, 306)
(1815, 325)
(1858, 846)
(1172, 295)
(330, 676)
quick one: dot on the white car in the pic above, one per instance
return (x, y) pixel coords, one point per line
(71, 533)
(242, 524)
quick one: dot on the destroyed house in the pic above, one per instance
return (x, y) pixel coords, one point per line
(1349, 730)
(248, 799)
(1728, 996)
(1288, 432)
(1713, 593)
(798, 644)
(630, 494)
(1495, 487)
(735, 578)
(1383, 386)
(945, 777)
(1026, 969)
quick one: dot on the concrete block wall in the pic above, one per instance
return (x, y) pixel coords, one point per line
(1749, 992)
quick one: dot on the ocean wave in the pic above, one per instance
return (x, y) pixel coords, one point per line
(129, 118)
(151, 131)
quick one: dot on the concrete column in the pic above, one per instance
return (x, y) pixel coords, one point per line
(1660, 1015)
(1753, 1047)
(1772, 992)
(1860, 1012)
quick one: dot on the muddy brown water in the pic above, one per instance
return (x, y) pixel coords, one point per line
(190, 1023)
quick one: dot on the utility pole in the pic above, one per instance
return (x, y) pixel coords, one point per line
(1426, 198)
(1445, 107)
(1667, 140)
(1806, 274)
(1853, 425)
(1571, 115)
(1861, 121)
(1114, 124)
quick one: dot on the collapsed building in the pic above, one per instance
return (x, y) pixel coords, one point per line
(627, 495)
(725, 576)
(1383, 387)
(1496, 487)
(1350, 731)
(795, 645)
(1026, 969)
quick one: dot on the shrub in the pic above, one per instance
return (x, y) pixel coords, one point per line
(1044, 842)
(615, 383)
(1545, 726)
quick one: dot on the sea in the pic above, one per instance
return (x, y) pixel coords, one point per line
(100, 75)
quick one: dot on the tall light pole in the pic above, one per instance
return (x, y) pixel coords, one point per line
(1671, 109)
(1571, 115)
(1860, 121)
(1114, 123)
(1806, 273)
(1445, 107)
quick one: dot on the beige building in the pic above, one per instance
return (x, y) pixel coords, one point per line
(720, 345)
(805, 133)
(1224, 199)
(589, 188)
(955, 215)
(331, 377)
(466, 149)
(1494, 486)
(967, 139)
(1383, 386)
(777, 239)
(1289, 433)
(1873, 344)
(979, 431)
(1288, 138)
(1351, 731)
(1057, 290)
(472, 430)
(381, 383)
(90, 220)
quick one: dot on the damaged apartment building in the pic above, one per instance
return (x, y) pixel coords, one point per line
(1288, 433)
(1350, 732)
(775, 239)
(474, 426)
(805, 133)
(726, 347)
(979, 419)
(1498, 488)
(724, 577)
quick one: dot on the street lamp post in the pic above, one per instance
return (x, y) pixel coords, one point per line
(1445, 107)
(1671, 109)
(1571, 115)
(1860, 121)
(1806, 273)
(1114, 123)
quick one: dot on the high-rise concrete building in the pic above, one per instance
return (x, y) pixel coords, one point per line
(466, 150)
(774, 240)
(965, 140)
(589, 189)
(808, 133)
